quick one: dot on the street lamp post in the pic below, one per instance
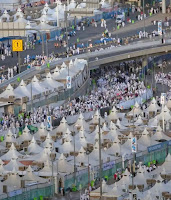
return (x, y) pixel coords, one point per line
(87, 152)
(57, 14)
(100, 162)
(143, 15)
(74, 162)
(66, 29)
(52, 180)
(31, 87)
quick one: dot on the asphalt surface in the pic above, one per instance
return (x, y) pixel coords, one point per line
(90, 33)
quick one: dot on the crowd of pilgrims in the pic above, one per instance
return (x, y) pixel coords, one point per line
(108, 88)
(163, 78)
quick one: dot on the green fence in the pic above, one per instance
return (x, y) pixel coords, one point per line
(144, 157)
(33, 194)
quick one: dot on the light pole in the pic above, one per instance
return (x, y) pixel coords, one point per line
(88, 44)
(87, 152)
(74, 161)
(143, 15)
(52, 174)
(66, 29)
(100, 162)
(31, 88)
(57, 14)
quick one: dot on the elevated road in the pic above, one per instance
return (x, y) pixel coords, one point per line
(106, 56)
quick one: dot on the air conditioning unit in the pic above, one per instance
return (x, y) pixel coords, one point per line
(52, 156)
(42, 138)
(25, 149)
(23, 184)
(5, 189)
(117, 154)
(21, 168)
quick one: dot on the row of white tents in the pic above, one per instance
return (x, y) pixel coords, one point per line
(52, 82)
(148, 185)
(77, 136)
(47, 15)
(13, 4)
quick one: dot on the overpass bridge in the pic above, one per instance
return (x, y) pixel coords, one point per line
(106, 56)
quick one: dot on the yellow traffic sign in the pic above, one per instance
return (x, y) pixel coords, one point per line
(17, 45)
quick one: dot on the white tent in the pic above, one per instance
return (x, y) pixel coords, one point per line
(115, 149)
(78, 64)
(30, 26)
(47, 10)
(9, 138)
(169, 103)
(122, 127)
(26, 136)
(22, 90)
(140, 179)
(50, 83)
(9, 91)
(153, 107)
(136, 110)
(41, 157)
(166, 165)
(71, 5)
(62, 72)
(165, 112)
(43, 26)
(145, 139)
(105, 128)
(47, 170)
(115, 192)
(63, 126)
(5, 15)
(83, 133)
(139, 121)
(127, 146)
(33, 147)
(31, 177)
(36, 87)
(82, 157)
(13, 180)
(113, 115)
(112, 126)
(153, 122)
(12, 153)
(64, 166)
(18, 14)
(94, 155)
(105, 189)
(58, 12)
(41, 131)
(96, 117)
(45, 17)
(21, 20)
(2, 170)
(68, 147)
(159, 135)
(104, 4)
(95, 134)
(48, 141)
(14, 164)
(81, 123)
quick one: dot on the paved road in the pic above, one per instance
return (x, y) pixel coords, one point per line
(106, 53)
(89, 33)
